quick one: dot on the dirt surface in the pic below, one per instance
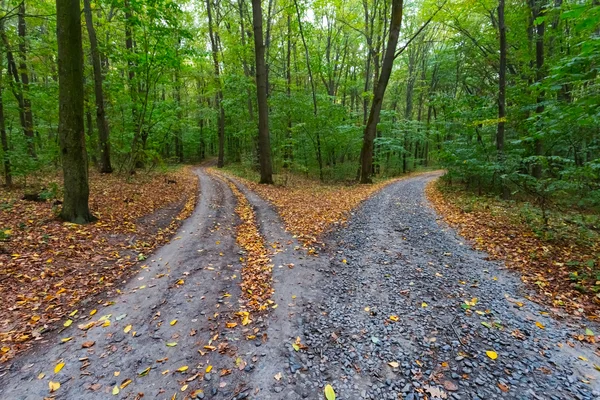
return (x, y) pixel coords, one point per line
(396, 307)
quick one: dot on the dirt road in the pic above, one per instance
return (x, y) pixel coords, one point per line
(396, 307)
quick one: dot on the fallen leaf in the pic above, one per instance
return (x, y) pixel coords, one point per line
(329, 392)
(115, 390)
(394, 318)
(278, 376)
(393, 364)
(173, 322)
(208, 368)
(540, 325)
(127, 329)
(182, 369)
(58, 367)
(87, 345)
(172, 344)
(65, 340)
(491, 354)
(184, 388)
(124, 384)
(54, 386)
(68, 323)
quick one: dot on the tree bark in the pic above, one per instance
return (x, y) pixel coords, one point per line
(379, 92)
(264, 145)
(536, 9)
(101, 121)
(71, 127)
(219, 94)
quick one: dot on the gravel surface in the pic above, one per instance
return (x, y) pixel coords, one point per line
(395, 259)
(380, 314)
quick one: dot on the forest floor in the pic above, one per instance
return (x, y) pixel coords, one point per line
(392, 304)
(47, 268)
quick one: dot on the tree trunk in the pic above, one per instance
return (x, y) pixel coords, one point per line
(379, 92)
(287, 150)
(536, 9)
(71, 128)
(264, 145)
(3, 137)
(28, 114)
(314, 93)
(178, 132)
(501, 92)
(219, 94)
(101, 121)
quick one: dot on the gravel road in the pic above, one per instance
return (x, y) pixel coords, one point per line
(397, 306)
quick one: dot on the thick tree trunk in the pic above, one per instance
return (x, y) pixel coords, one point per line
(264, 145)
(23, 69)
(219, 94)
(101, 121)
(379, 92)
(71, 127)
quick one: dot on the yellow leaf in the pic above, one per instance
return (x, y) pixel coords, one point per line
(93, 312)
(184, 388)
(491, 354)
(125, 383)
(394, 318)
(539, 325)
(209, 368)
(393, 364)
(173, 322)
(54, 386)
(73, 313)
(345, 261)
(182, 369)
(117, 373)
(582, 358)
(58, 367)
(329, 392)
(106, 323)
(231, 324)
(115, 390)
(172, 344)
(127, 329)
(41, 375)
(423, 304)
(65, 340)
(68, 323)
(296, 346)
(5, 349)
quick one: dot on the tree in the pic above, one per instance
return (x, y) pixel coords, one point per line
(264, 145)
(214, 42)
(102, 122)
(71, 127)
(501, 90)
(379, 91)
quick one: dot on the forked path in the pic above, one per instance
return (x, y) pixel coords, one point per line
(380, 314)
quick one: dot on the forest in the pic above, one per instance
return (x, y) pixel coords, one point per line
(504, 95)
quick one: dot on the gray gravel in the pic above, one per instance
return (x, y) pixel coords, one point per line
(401, 261)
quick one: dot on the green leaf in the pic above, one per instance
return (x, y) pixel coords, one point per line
(329, 392)
(589, 332)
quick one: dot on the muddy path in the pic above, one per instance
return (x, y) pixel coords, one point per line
(396, 306)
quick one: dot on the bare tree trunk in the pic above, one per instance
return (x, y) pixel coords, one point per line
(178, 132)
(379, 92)
(71, 127)
(219, 94)
(264, 145)
(28, 114)
(101, 121)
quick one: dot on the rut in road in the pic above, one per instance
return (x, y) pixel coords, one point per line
(380, 314)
